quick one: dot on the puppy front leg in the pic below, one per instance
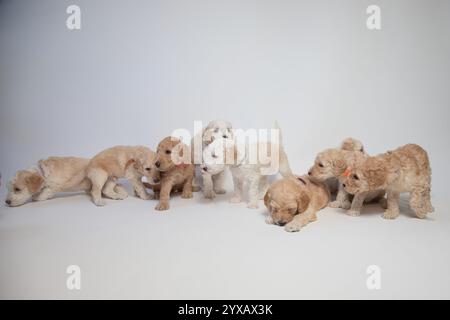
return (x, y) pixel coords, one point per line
(45, 194)
(253, 192)
(218, 182)
(164, 196)
(208, 190)
(187, 189)
(357, 204)
(392, 210)
(300, 221)
(341, 199)
(139, 188)
(237, 182)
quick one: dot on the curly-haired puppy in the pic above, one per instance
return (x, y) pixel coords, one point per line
(406, 169)
(50, 176)
(331, 164)
(130, 162)
(213, 183)
(293, 202)
(176, 169)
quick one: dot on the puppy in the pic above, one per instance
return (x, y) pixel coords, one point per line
(177, 171)
(213, 183)
(293, 202)
(247, 166)
(50, 176)
(130, 162)
(406, 169)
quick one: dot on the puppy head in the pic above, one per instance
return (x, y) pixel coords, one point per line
(170, 153)
(369, 175)
(328, 164)
(145, 164)
(23, 186)
(217, 129)
(216, 156)
(285, 200)
(351, 144)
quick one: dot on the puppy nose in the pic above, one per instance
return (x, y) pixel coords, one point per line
(281, 223)
(156, 180)
(157, 164)
(309, 172)
(343, 185)
(205, 169)
(8, 202)
(224, 136)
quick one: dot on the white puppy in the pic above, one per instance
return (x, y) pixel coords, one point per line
(215, 130)
(250, 163)
(50, 176)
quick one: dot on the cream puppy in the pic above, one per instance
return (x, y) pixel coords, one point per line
(294, 202)
(406, 169)
(50, 176)
(247, 165)
(331, 164)
(130, 162)
(215, 130)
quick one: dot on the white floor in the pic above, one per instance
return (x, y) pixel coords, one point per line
(213, 249)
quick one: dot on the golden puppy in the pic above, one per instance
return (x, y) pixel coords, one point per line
(50, 176)
(130, 162)
(293, 202)
(176, 169)
(406, 169)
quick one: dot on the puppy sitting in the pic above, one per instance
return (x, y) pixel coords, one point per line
(51, 175)
(213, 183)
(406, 169)
(331, 164)
(293, 202)
(130, 162)
(175, 168)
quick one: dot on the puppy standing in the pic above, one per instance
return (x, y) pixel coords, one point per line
(51, 175)
(406, 169)
(176, 171)
(212, 183)
(294, 202)
(130, 162)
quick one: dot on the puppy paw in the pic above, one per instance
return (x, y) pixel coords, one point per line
(99, 202)
(346, 205)
(162, 206)
(353, 213)
(235, 199)
(253, 205)
(334, 204)
(145, 196)
(292, 227)
(220, 191)
(269, 220)
(390, 214)
(209, 194)
(186, 195)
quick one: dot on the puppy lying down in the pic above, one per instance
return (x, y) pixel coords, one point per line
(50, 176)
(293, 202)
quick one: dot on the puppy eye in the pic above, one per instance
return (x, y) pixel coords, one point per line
(321, 165)
(355, 177)
(168, 151)
(147, 169)
(216, 130)
(17, 189)
(362, 150)
(215, 156)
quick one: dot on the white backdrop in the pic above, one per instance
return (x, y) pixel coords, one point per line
(139, 69)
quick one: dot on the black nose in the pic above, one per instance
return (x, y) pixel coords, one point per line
(205, 169)
(156, 180)
(8, 202)
(224, 136)
(281, 223)
(309, 172)
(157, 164)
(343, 185)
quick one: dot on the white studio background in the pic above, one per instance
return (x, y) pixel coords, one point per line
(137, 70)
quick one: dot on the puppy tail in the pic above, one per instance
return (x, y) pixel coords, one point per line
(285, 168)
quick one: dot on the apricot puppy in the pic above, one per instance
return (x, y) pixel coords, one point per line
(130, 162)
(406, 169)
(294, 202)
(177, 171)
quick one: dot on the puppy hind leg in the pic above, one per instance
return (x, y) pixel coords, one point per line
(45, 194)
(418, 203)
(98, 179)
(218, 182)
(392, 211)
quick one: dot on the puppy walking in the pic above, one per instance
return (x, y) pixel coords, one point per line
(130, 162)
(406, 169)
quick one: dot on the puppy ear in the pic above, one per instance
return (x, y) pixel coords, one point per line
(34, 183)
(303, 201)
(266, 200)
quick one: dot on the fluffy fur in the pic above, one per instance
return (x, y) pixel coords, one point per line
(130, 162)
(243, 170)
(294, 202)
(406, 169)
(212, 183)
(330, 164)
(50, 176)
(176, 172)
